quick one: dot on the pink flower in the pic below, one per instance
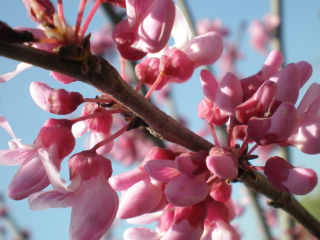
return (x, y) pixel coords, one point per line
(220, 99)
(94, 203)
(147, 28)
(222, 163)
(141, 194)
(260, 32)
(286, 178)
(56, 101)
(187, 222)
(55, 138)
(205, 25)
(99, 127)
(179, 61)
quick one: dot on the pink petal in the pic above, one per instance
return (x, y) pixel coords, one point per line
(62, 78)
(145, 218)
(277, 128)
(259, 104)
(140, 198)
(96, 137)
(185, 191)
(221, 191)
(272, 64)
(123, 181)
(161, 170)
(155, 29)
(188, 223)
(181, 32)
(192, 164)
(79, 129)
(301, 180)
(50, 199)
(140, 233)
(286, 178)
(288, 80)
(222, 164)
(205, 49)
(88, 221)
(305, 70)
(229, 94)
(306, 136)
(309, 97)
(31, 177)
(14, 157)
(40, 93)
(225, 231)
(209, 85)
(20, 67)
(5, 124)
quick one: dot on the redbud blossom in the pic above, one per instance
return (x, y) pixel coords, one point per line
(251, 84)
(286, 178)
(222, 163)
(274, 129)
(220, 99)
(141, 194)
(44, 5)
(55, 138)
(94, 203)
(147, 28)
(56, 101)
(306, 134)
(187, 223)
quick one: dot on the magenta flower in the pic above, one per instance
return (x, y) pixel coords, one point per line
(147, 28)
(261, 31)
(306, 134)
(94, 203)
(222, 163)
(56, 101)
(98, 127)
(219, 99)
(55, 138)
(286, 178)
(141, 194)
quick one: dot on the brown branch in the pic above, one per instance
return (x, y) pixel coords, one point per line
(283, 200)
(100, 74)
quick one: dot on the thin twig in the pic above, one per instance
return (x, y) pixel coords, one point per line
(286, 223)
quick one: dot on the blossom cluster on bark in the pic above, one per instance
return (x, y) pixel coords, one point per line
(185, 187)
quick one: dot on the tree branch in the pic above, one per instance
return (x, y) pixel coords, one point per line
(99, 73)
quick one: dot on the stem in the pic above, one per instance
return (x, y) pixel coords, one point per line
(82, 5)
(154, 85)
(96, 100)
(253, 148)
(283, 200)
(259, 213)
(123, 67)
(94, 115)
(93, 10)
(214, 135)
(60, 11)
(111, 138)
(277, 41)
(10, 223)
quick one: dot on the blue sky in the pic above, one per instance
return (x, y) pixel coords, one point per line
(301, 35)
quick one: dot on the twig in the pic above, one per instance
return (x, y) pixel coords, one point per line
(286, 223)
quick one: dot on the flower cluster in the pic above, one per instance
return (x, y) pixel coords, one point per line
(187, 193)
